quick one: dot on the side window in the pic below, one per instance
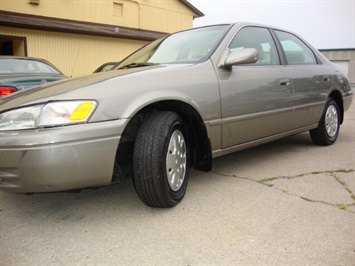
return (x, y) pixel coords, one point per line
(296, 51)
(261, 40)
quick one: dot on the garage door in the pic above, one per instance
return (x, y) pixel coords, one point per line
(344, 65)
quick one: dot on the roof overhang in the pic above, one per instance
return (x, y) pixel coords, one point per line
(198, 13)
(20, 20)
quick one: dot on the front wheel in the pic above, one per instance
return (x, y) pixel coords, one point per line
(161, 160)
(328, 128)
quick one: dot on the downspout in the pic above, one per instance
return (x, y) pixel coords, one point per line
(139, 11)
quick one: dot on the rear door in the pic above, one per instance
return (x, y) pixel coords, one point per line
(309, 78)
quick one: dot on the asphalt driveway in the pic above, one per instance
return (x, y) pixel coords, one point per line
(285, 203)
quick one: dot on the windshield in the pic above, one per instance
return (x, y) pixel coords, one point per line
(182, 47)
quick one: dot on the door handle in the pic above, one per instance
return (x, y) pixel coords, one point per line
(285, 82)
(326, 78)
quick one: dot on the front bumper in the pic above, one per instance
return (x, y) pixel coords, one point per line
(347, 99)
(58, 159)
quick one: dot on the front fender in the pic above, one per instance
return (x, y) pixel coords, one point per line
(195, 85)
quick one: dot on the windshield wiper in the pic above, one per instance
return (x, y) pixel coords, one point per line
(133, 65)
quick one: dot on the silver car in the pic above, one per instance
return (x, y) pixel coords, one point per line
(179, 101)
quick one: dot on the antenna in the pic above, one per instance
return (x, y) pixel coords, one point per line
(76, 58)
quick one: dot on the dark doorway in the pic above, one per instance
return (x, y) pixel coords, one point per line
(13, 45)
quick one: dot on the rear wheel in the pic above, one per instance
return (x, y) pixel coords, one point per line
(161, 160)
(328, 128)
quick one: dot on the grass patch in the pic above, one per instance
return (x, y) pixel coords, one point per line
(267, 180)
(301, 175)
(340, 171)
(316, 173)
(342, 206)
(307, 199)
(342, 182)
(345, 171)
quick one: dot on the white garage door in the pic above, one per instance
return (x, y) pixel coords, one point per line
(344, 65)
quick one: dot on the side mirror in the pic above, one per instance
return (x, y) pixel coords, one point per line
(243, 56)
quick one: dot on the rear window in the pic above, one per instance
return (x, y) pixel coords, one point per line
(10, 66)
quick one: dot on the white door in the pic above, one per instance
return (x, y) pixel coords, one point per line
(344, 65)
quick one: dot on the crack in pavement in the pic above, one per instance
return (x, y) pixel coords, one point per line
(274, 182)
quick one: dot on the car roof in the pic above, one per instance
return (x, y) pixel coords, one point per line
(246, 23)
(22, 57)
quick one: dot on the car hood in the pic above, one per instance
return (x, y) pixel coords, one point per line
(86, 87)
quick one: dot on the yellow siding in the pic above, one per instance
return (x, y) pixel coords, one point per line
(165, 15)
(154, 15)
(75, 55)
(99, 11)
(164, 20)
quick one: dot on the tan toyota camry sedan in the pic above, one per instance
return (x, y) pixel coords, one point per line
(177, 102)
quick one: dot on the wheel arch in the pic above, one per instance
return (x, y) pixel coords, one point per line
(200, 147)
(337, 96)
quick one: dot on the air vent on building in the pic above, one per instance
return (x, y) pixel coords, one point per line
(117, 9)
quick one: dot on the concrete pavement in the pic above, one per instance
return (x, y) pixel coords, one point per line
(285, 203)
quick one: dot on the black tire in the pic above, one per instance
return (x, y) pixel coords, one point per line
(161, 137)
(328, 128)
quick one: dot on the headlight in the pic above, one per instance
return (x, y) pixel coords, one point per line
(23, 118)
(47, 115)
